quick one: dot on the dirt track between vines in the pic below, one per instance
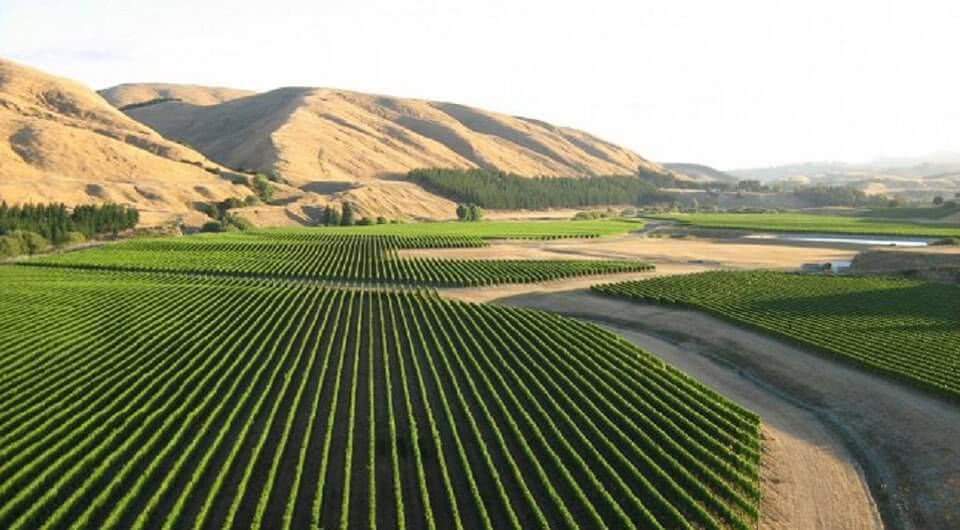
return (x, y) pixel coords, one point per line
(844, 448)
(842, 445)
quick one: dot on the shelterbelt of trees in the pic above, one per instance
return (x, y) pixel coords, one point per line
(32, 228)
(499, 190)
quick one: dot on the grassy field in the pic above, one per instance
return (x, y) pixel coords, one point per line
(163, 401)
(328, 255)
(796, 222)
(906, 329)
(500, 229)
(932, 213)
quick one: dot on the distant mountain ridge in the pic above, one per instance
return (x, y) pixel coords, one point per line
(918, 176)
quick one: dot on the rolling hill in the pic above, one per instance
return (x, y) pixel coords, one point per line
(126, 95)
(64, 143)
(175, 145)
(700, 172)
(320, 134)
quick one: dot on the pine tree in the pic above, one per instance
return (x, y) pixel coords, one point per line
(331, 216)
(348, 218)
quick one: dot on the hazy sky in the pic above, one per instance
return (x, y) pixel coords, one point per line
(730, 83)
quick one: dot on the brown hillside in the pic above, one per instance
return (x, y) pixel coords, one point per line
(133, 93)
(60, 141)
(312, 134)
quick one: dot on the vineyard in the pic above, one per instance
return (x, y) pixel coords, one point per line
(796, 222)
(906, 329)
(500, 229)
(325, 255)
(168, 401)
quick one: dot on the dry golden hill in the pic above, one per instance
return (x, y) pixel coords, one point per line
(313, 134)
(138, 93)
(62, 142)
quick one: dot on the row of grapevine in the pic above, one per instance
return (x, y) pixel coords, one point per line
(904, 328)
(233, 403)
(329, 257)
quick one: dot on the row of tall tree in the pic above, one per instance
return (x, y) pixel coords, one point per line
(501, 190)
(334, 216)
(55, 222)
(347, 216)
(838, 196)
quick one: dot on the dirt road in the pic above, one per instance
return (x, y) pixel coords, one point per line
(838, 438)
(727, 253)
(800, 455)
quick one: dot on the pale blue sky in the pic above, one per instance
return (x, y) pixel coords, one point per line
(730, 83)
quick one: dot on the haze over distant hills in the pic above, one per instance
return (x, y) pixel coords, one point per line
(937, 173)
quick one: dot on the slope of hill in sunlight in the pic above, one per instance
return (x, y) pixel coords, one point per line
(700, 172)
(61, 142)
(129, 94)
(317, 134)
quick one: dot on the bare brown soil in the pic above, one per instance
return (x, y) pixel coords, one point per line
(907, 259)
(703, 253)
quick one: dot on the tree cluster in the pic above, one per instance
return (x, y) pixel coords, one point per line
(19, 242)
(347, 216)
(497, 189)
(469, 212)
(838, 196)
(222, 219)
(56, 223)
(343, 216)
(261, 185)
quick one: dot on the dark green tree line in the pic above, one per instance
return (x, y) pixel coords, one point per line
(496, 189)
(55, 222)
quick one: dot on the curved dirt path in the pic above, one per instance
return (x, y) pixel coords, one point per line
(843, 444)
(800, 456)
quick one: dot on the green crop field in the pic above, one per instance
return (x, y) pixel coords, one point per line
(500, 229)
(795, 222)
(325, 255)
(906, 329)
(931, 213)
(134, 400)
